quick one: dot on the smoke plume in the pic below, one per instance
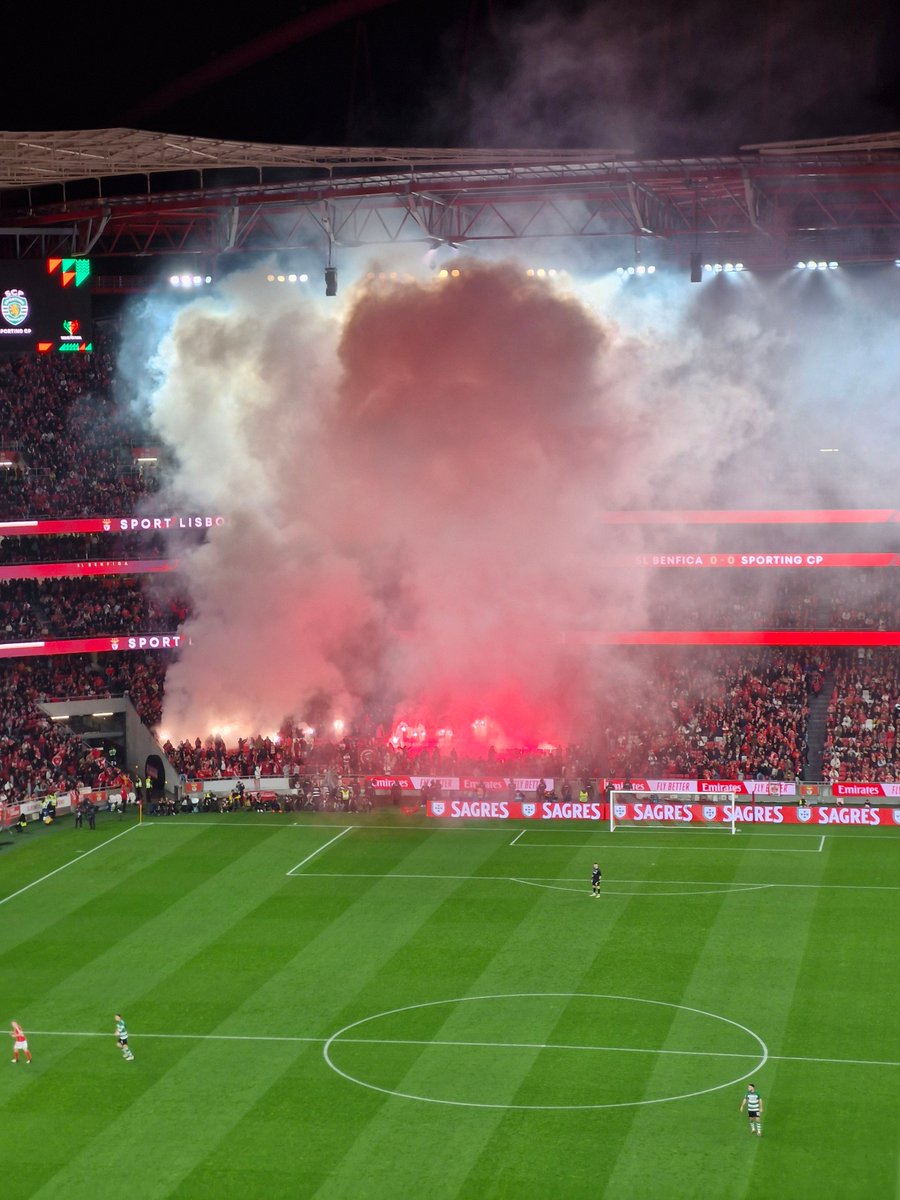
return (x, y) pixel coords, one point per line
(414, 484)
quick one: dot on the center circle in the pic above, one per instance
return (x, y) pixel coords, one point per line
(482, 1051)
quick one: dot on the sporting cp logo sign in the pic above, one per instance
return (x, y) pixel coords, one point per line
(804, 814)
(528, 809)
(14, 307)
(437, 808)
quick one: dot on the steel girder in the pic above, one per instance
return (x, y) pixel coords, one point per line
(766, 211)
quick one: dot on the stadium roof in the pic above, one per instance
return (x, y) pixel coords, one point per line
(33, 159)
(131, 193)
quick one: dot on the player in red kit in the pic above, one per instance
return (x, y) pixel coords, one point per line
(20, 1042)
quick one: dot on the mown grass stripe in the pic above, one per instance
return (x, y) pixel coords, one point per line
(333, 978)
(750, 978)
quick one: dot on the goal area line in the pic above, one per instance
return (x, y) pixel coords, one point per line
(726, 847)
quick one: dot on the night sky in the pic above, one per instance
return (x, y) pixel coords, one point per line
(656, 76)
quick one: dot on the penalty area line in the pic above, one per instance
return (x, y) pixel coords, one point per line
(82, 855)
(337, 837)
(734, 883)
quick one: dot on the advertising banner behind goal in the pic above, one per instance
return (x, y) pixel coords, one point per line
(657, 811)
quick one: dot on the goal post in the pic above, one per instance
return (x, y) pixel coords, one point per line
(680, 810)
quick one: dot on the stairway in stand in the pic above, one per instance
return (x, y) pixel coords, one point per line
(817, 729)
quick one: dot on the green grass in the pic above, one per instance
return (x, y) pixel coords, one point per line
(294, 1033)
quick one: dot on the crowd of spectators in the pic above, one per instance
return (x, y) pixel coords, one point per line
(863, 719)
(85, 547)
(70, 442)
(103, 604)
(715, 714)
(295, 753)
(865, 598)
(38, 755)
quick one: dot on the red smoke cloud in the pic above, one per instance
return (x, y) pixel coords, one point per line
(412, 495)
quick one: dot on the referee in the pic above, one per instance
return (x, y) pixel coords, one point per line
(596, 876)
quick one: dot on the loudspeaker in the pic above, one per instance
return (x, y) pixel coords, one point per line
(331, 281)
(696, 267)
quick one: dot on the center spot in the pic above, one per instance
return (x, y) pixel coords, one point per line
(545, 1050)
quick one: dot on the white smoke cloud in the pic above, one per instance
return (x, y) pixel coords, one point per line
(412, 482)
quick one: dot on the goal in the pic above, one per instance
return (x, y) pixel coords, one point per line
(680, 810)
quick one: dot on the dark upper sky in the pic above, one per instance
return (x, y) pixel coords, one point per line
(659, 76)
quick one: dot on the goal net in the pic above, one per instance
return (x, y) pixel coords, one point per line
(679, 810)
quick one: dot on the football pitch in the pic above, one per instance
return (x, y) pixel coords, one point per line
(384, 1007)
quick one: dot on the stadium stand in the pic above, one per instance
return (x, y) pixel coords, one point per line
(712, 714)
(863, 714)
(38, 755)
